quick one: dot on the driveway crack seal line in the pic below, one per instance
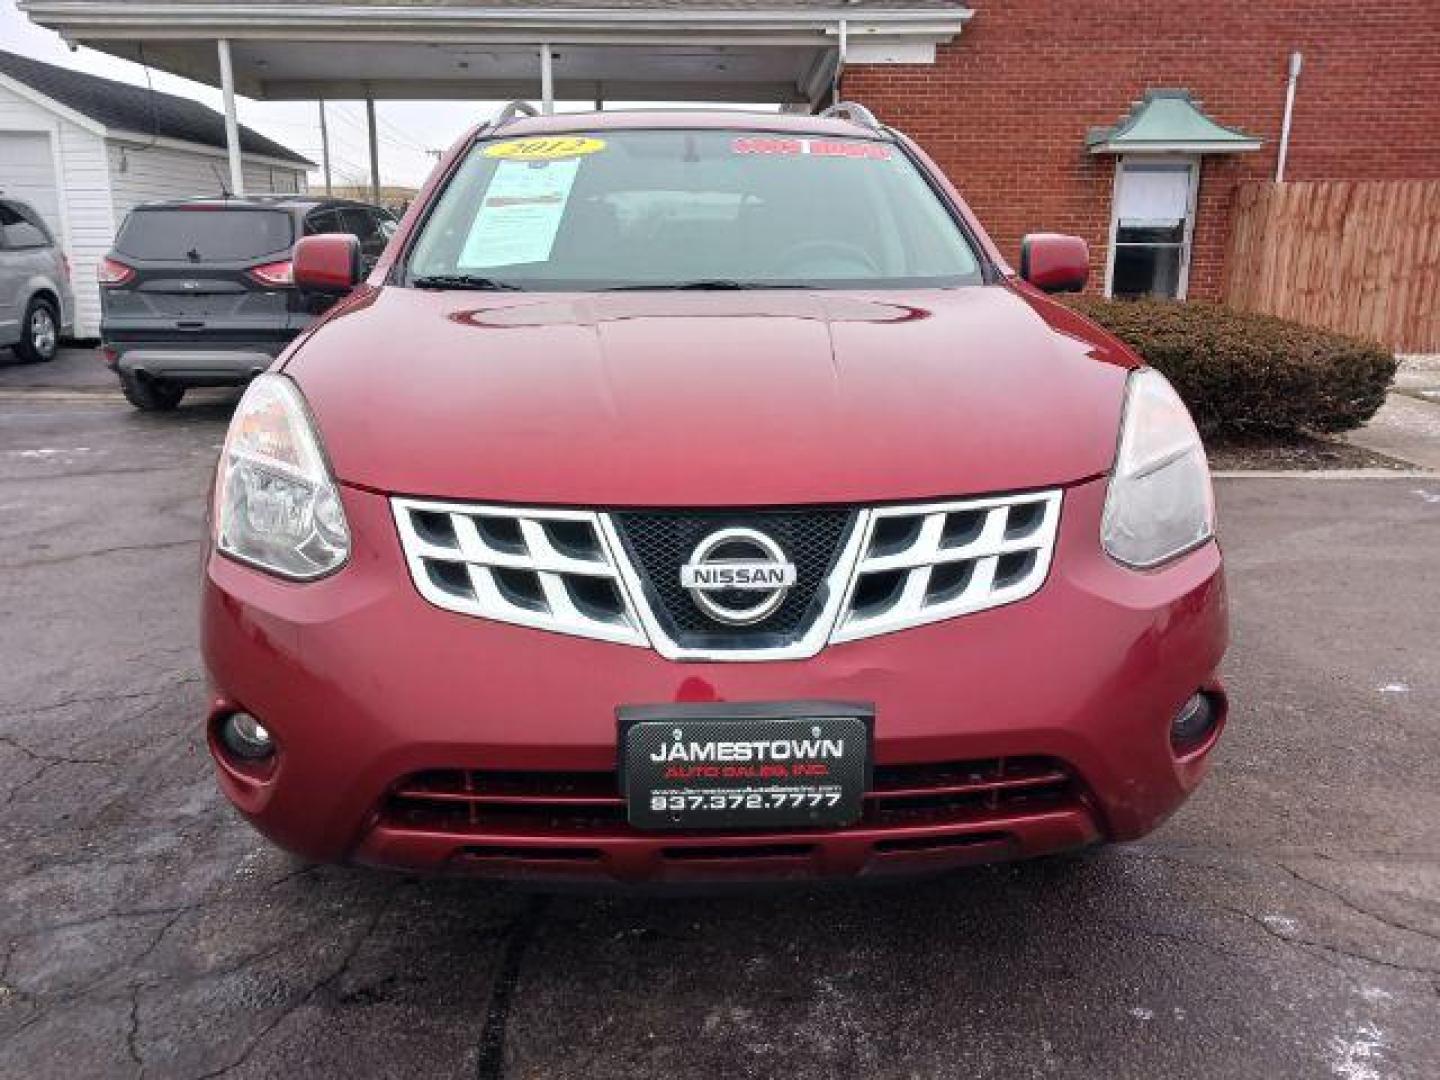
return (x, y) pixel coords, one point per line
(1357, 908)
(158, 545)
(1307, 944)
(97, 699)
(490, 1064)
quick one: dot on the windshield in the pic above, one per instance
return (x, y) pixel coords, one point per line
(675, 209)
(204, 234)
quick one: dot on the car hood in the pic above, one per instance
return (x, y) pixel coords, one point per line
(711, 398)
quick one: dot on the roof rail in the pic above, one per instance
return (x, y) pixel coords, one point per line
(854, 112)
(514, 109)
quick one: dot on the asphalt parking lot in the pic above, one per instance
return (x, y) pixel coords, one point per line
(1286, 923)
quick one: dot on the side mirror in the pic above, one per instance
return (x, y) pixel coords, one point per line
(328, 263)
(1054, 262)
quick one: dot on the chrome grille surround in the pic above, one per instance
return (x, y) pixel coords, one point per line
(566, 570)
(922, 564)
(528, 567)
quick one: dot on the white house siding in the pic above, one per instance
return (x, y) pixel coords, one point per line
(27, 172)
(87, 221)
(141, 174)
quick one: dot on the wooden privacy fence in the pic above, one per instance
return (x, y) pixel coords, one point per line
(1360, 257)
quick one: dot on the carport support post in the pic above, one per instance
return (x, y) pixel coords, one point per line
(374, 150)
(547, 81)
(232, 125)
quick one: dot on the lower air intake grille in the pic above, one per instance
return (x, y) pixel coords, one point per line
(573, 804)
(475, 800)
(659, 544)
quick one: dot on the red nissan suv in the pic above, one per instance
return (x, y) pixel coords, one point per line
(688, 497)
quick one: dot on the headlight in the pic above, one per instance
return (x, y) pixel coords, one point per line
(1160, 504)
(275, 504)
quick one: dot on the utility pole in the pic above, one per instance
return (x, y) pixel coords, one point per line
(374, 151)
(325, 147)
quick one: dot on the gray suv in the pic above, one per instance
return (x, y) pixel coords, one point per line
(200, 292)
(36, 305)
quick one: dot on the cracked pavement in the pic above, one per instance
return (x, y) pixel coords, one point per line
(1285, 923)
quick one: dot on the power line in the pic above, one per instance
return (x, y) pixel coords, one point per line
(396, 135)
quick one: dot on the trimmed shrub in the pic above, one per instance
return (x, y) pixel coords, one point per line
(1239, 371)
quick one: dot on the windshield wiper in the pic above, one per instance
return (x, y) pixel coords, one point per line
(463, 281)
(706, 285)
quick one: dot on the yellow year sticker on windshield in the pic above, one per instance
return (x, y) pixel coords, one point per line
(548, 149)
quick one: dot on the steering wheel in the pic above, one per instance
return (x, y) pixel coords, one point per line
(813, 251)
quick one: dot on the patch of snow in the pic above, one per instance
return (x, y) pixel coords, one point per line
(1142, 1014)
(1280, 923)
(1394, 688)
(1432, 497)
(245, 868)
(45, 452)
(1361, 1055)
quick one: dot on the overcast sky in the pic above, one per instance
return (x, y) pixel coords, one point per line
(407, 128)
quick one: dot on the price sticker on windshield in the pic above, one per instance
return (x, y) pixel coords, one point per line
(775, 146)
(547, 149)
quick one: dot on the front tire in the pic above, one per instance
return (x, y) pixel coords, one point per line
(40, 332)
(150, 396)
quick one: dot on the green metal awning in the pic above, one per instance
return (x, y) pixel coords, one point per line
(1168, 122)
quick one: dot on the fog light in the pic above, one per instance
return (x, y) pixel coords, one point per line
(1192, 724)
(246, 737)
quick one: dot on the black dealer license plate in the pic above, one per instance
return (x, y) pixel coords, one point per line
(780, 766)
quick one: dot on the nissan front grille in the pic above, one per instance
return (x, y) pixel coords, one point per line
(729, 585)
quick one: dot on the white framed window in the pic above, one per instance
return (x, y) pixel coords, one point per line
(1152, 225)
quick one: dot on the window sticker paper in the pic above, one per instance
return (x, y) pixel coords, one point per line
(520, 214)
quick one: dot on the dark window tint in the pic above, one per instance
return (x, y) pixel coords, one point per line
(364, 225)
(322, 221)
(18, 230)
(205, 235)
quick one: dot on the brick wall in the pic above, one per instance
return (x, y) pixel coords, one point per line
(1005, 108)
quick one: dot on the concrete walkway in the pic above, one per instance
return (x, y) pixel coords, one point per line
(1407, 427)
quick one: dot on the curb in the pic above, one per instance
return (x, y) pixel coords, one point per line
(1326, 474)
(58, 393)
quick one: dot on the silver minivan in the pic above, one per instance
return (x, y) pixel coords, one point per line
(36, 304)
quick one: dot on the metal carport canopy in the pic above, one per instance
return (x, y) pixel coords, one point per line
(731, 50)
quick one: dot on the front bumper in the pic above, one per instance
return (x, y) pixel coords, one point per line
(365, 686)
